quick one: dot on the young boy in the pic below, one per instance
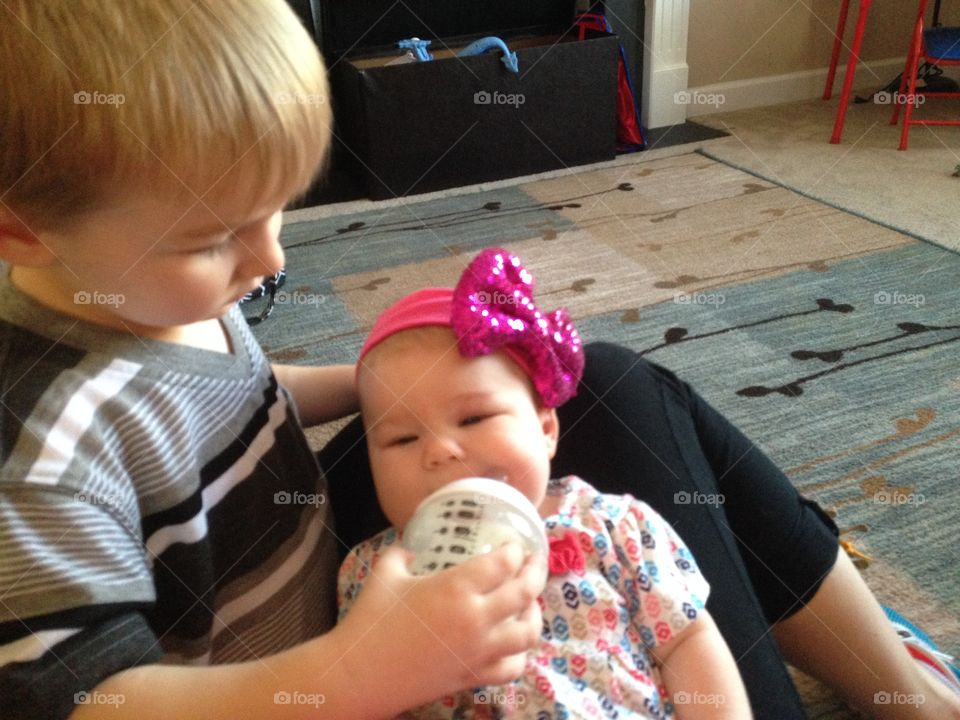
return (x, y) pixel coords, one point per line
(166, 549)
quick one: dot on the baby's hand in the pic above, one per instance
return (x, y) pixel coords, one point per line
(428, 636)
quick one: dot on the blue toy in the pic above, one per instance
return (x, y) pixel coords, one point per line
(419, 49)
(478, 47)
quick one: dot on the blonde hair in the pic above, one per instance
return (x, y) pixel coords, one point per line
(102, 96)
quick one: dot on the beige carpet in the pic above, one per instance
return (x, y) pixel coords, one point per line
(913, 191)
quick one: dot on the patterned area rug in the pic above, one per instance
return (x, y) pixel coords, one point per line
(832, 341)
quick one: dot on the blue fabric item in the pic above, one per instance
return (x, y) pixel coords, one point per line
(630, 134)
(898, 620)
(942, 43)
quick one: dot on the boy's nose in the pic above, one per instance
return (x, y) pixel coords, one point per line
(272, 258)
(263, 253)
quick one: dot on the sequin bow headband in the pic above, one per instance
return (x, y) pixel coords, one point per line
(492, 309)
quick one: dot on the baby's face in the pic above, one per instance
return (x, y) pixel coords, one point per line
(433, 416)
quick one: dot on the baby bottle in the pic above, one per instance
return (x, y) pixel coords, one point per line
(469, 517)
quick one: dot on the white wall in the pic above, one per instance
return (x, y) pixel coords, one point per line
(757, 52)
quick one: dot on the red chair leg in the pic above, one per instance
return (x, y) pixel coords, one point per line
(837, 44)
(851, 71)
(904, 82)
(913, 66)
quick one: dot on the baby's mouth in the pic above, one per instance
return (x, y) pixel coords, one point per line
(493, 473)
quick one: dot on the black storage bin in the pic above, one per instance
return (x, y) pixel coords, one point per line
(425, 126)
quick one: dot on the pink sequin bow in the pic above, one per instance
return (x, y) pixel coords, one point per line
(493, 309)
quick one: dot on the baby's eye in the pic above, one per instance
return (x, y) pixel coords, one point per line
(473, 419)
(402, 440)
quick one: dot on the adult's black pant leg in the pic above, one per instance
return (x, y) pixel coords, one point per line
(787, 542)
(631, 429)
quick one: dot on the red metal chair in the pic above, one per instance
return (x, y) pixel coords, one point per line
(837, 45)
(937, 45)
(851, 63)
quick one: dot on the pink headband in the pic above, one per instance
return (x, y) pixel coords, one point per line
(492, 309)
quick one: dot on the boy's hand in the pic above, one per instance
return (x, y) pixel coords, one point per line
(428, 636)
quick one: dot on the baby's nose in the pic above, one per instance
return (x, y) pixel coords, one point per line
(439, 450)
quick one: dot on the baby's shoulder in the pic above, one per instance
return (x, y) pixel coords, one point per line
(573, 498)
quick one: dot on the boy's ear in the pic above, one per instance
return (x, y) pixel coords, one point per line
(551, 429)
(19, 245)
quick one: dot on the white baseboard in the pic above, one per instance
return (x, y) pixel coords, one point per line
(791, 87)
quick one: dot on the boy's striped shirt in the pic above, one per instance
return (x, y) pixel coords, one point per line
(157, 503)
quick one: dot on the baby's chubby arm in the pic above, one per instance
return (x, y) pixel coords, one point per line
(701, 675)
(321, 393)
(406, 641)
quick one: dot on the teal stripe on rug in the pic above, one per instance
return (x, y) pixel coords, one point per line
(414, 232)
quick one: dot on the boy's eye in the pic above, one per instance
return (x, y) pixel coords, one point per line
(473, 419)
(214, 244)
(215, 249)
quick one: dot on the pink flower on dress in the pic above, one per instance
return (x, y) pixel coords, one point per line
(566, 555)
